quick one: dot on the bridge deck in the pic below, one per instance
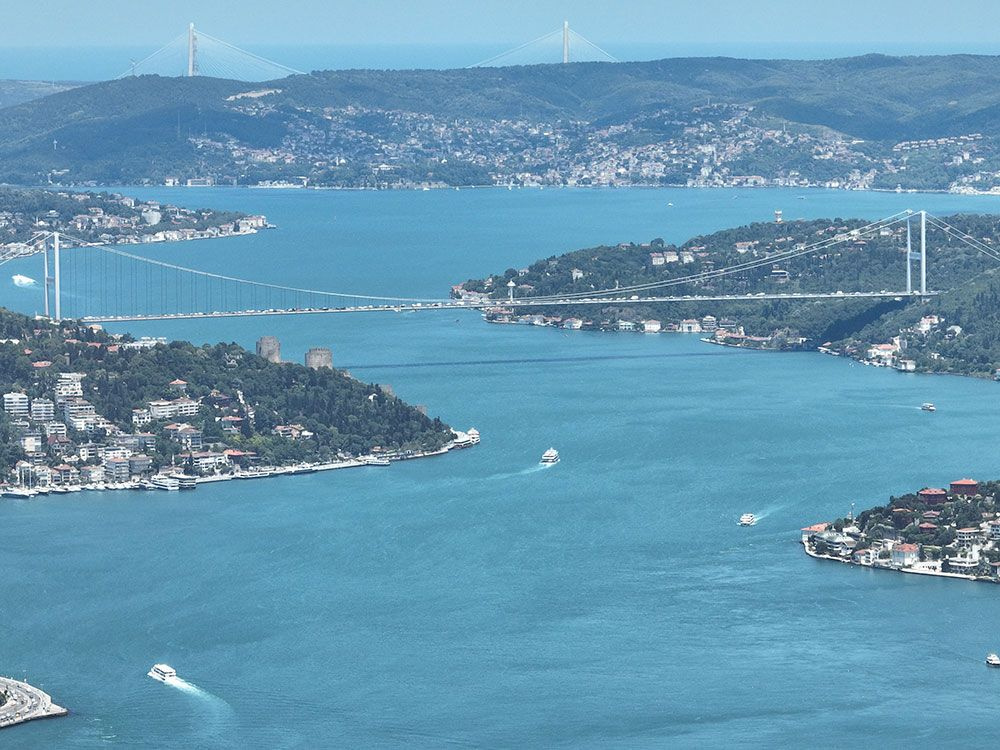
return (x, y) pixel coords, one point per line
(517, 304)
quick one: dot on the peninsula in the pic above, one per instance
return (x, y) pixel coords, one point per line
(952, 332)
(108, 218)
(83, 408)
(952, 532)
(21, 702)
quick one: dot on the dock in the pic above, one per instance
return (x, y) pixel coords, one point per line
(23, 702)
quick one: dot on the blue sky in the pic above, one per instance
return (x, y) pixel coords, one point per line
(880, 23)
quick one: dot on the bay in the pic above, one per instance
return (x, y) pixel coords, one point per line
(477, 600)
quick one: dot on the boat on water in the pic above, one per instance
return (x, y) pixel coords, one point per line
(551, 456)
(377, 461)
(748, 519)
(165, 482)
(186, 481)
(20, 493)
(162, 672)
(928, 407)
(992, 660)
(466, 439)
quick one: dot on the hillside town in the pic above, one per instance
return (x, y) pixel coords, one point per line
(172, 442)
(710, 145)
(952, 532)
(108, 218)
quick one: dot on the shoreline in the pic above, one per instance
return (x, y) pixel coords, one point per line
(26, 703)
(910, 571)
(264, 472)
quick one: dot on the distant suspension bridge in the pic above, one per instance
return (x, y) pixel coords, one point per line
(101, 283)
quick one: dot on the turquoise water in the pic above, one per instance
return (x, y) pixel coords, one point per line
(477, 600)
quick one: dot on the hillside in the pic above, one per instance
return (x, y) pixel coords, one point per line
(229, 399)
(707, 120)
(17, 92)
(921, 332)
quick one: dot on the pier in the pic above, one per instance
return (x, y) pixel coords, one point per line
(22, 702)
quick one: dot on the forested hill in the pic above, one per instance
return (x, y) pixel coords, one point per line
(512, 124)
(957, 331)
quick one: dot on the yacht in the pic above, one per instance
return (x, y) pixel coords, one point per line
(928, 406)
(164, 482)
(551, 456)
(162, 672)
(748, 519)
(21, 493)
(992, 660)
(473, 434)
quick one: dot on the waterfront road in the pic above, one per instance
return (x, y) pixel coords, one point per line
(24, 703)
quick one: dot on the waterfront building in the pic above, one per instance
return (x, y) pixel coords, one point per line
(651, 326)
(965, 487)
(816, 528)
(904, 555)
(116, 469)
(319, 358)
(15, 404)
(269, 348)
(690, 325)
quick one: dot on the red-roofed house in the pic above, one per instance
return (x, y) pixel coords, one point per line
(965, 487)
(932, 495)
(904, 555)
(816, 528)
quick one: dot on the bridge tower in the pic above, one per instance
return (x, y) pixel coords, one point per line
(923, 252)
(565, 41)
(192, 69)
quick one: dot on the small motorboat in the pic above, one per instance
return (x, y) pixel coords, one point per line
(748, 519)
(992, 660)
(928, 407)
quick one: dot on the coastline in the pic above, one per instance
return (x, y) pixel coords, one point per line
(26, 703)
(268, 472)
(912, 571)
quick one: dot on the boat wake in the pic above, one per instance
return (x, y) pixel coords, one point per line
(23, 281)
(219, 714)
(523, 472)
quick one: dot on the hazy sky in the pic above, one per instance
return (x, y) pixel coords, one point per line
(958, 24)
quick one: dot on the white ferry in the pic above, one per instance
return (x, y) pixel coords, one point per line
(928, 407)
(748, 519)
(992, 660)
(465, 439)
(186, 481)
(162, 672)
(165, 482)
(551, 456)
(376, 461)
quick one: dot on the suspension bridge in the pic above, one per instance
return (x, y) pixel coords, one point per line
(574, 48)
(105, 283)
(195, 53)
